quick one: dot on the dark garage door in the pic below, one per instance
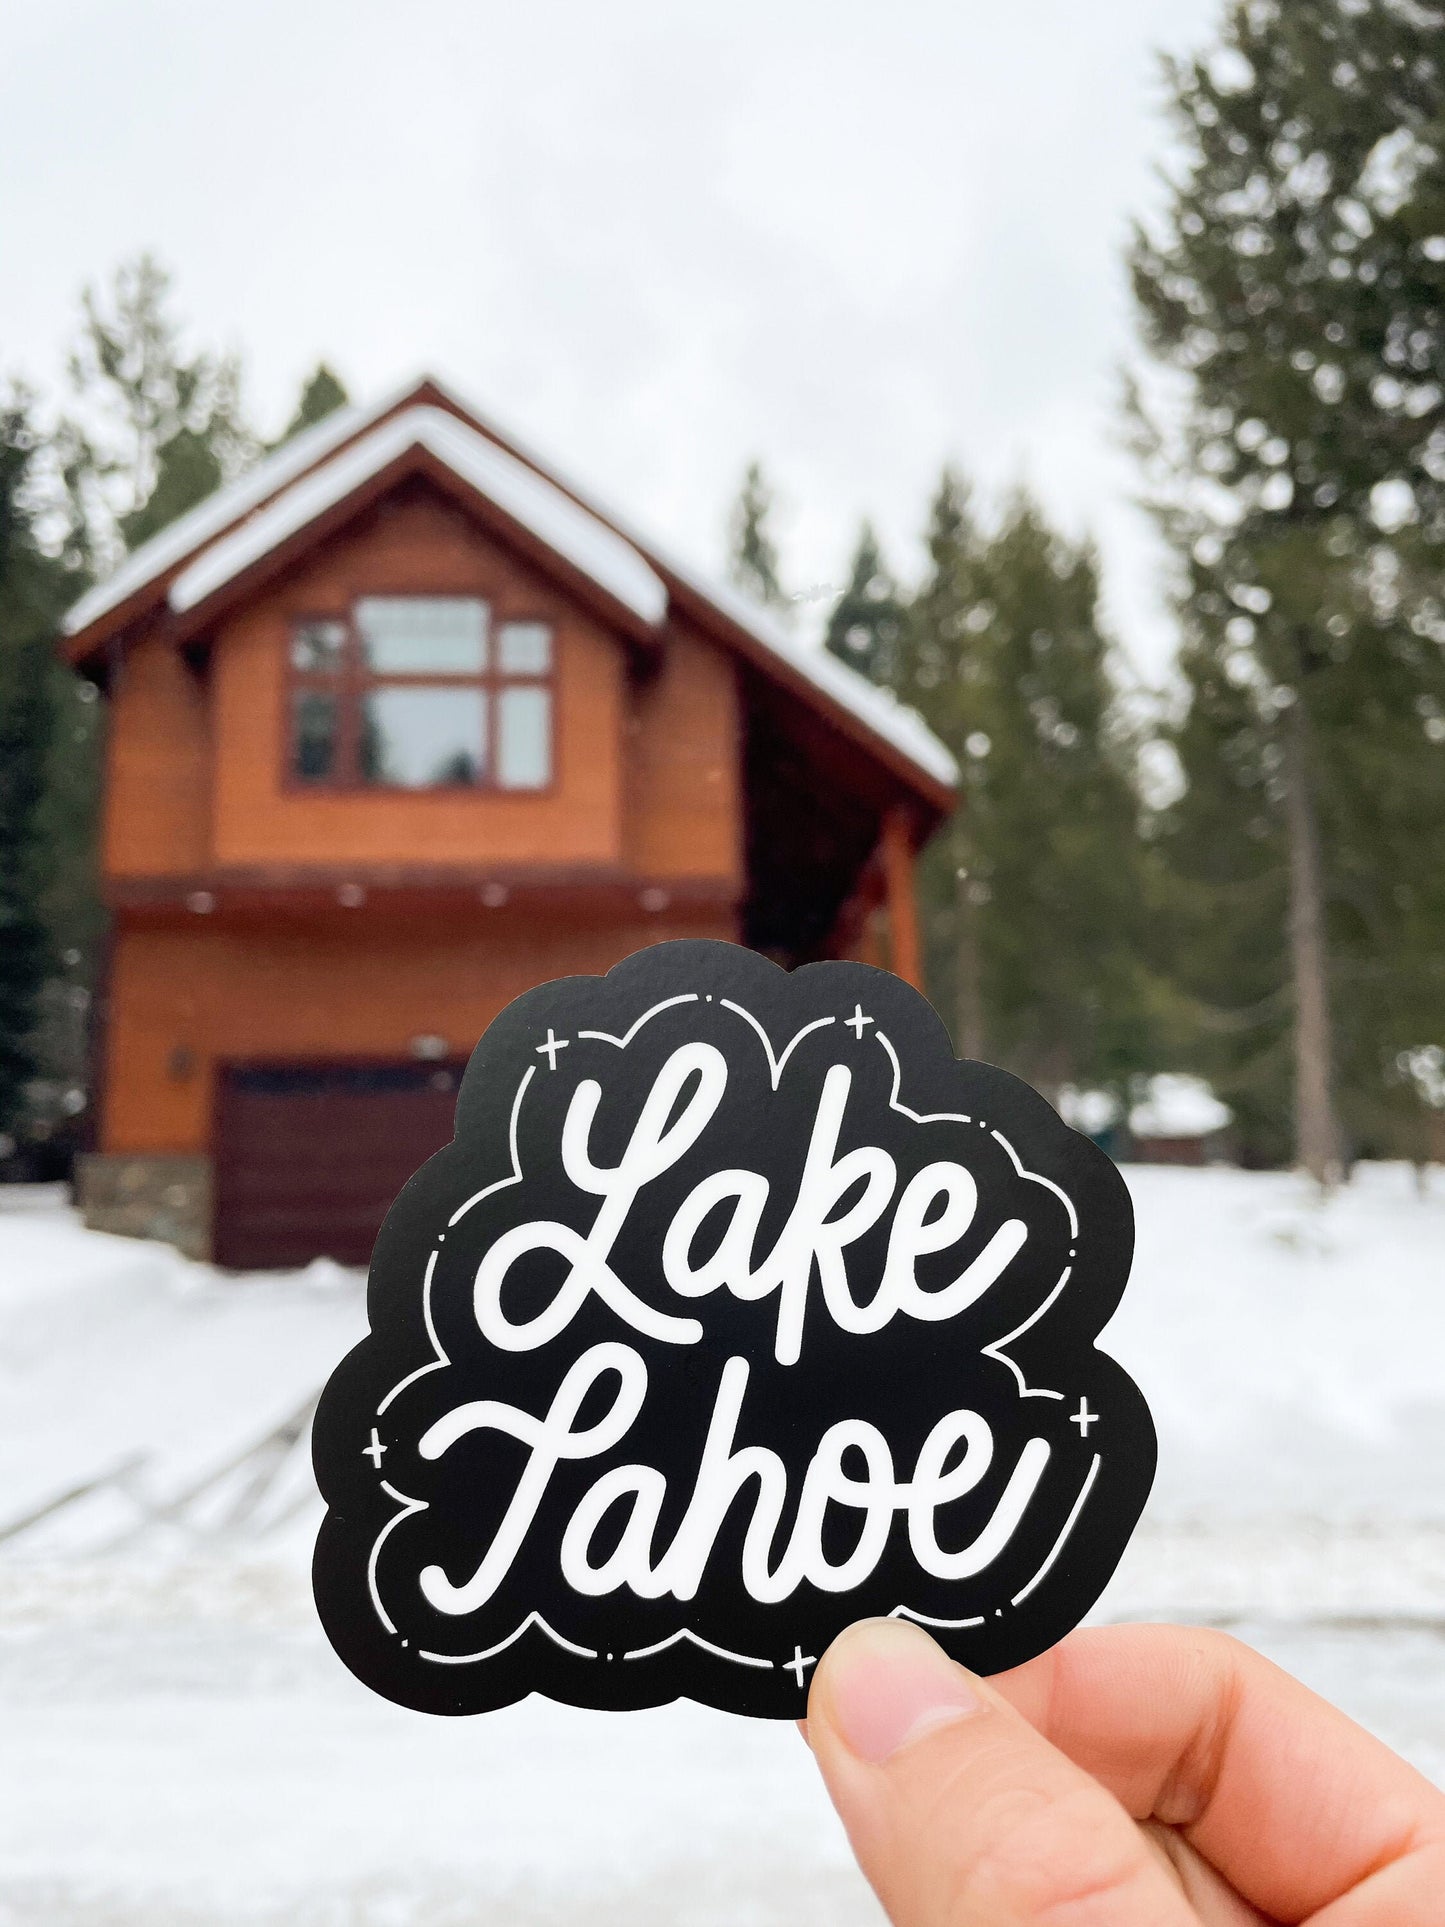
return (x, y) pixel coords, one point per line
(309, 1157)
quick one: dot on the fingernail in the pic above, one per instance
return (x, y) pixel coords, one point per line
(886, 1684)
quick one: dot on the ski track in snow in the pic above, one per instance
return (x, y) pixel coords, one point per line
(164, 1678)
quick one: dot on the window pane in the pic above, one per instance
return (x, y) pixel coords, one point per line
(524, 649)
(422, 635)
(524, 745)
(317, 647)
(313, 736)
(417, 739)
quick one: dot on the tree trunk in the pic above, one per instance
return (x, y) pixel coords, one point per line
(969, 989)
(1317, 1141)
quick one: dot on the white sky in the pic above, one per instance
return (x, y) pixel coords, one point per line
(652, 238)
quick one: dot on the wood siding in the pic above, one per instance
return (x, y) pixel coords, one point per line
(360, 985)
(157, 810)
(683, 760)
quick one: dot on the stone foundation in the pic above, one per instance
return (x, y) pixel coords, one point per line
(148, 1197)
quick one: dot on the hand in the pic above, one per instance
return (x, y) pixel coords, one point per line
(1135, 1776)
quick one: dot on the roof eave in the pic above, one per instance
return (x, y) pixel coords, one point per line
(938, 797)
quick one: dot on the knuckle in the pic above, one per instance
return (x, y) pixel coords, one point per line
(1052, 1860)
(1188, 1790)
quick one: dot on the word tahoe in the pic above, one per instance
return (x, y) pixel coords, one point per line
(724, 1473)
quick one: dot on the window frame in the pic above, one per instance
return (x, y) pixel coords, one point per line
(352, 681)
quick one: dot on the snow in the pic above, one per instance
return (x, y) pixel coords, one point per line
(1178, 1106)
(528, 497)
(181, 1747)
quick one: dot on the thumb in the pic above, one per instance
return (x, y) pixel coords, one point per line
(960, 1814)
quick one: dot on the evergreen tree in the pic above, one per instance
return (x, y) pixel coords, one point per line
(935, 662)
(938, 672)
(753, 556)
(1296, 293)
(159, 429)
(187, 470)
(33, 591)
(866, 625)
(1034, 897)
(321, 395)
(154, 430)
(1225, 904)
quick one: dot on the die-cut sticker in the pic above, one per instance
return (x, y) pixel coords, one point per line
(738, 1309)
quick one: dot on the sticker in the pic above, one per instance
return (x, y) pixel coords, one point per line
(738, 1309)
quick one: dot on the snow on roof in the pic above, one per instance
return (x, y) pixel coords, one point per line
(878, 710)
(1178, 1106)
(1089, 1111)
(529, 498)
(218, 511)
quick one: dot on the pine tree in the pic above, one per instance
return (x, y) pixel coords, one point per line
(158, 430)
(187, 470)
(938, 672)
(322, 394)
(866, 625)
(33, 591)
(753, 556)
(154, 430)
(1295, 292)
(935, 663)
(1034, 896)
(1225, 904)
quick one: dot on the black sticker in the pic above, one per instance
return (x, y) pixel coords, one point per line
(737, 1310)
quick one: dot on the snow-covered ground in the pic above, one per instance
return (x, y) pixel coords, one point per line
(177, 1744)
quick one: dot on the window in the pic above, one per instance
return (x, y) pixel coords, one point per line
(419, 693)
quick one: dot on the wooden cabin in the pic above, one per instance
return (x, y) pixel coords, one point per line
(400, 725)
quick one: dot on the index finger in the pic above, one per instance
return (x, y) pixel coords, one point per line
(1293, 1802)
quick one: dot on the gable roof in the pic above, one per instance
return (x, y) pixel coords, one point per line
(520, 492)
(196, 557)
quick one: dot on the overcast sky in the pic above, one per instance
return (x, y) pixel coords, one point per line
(652, 238)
